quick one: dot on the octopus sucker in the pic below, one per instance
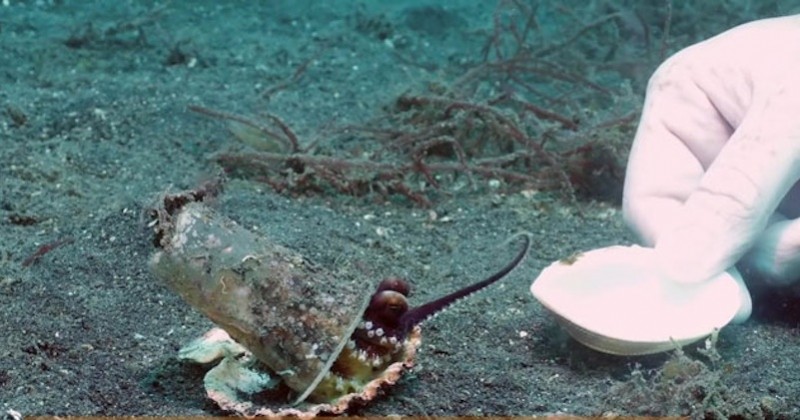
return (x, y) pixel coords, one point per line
(330, 336)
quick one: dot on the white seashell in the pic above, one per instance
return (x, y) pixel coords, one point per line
(614, 300)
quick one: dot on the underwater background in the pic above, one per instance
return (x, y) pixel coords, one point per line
(412, 137)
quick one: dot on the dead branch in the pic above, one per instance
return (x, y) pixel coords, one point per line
(525, 116)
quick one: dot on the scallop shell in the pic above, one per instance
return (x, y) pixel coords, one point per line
(233, 382)
(614, 300)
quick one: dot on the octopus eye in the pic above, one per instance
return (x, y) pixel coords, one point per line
(396, 307)
(386, 308)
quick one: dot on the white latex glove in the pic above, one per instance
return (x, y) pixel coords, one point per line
(717, 150)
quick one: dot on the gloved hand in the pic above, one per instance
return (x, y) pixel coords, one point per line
(713, 169)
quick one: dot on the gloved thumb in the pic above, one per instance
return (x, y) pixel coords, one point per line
(774, 258)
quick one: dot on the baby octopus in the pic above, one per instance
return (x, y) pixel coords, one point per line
(379, 339)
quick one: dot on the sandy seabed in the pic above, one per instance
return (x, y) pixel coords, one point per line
(95, 127)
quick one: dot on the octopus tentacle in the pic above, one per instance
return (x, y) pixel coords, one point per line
(420, 313)
(388, 318)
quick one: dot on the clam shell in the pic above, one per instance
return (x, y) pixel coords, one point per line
(615, 301)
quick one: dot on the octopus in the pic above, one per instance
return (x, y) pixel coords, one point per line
(288, 328)
(379, 339)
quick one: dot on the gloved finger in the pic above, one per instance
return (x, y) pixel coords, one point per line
(680, 132)
(739, 191)
(774, 258)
